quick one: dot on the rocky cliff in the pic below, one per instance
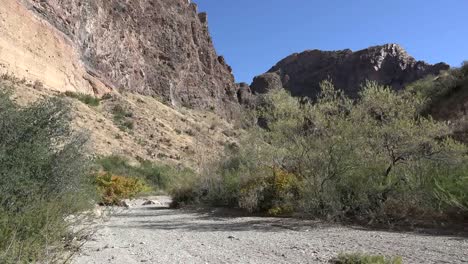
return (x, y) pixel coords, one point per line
(301, 73)
(152, 47)
(35, 51)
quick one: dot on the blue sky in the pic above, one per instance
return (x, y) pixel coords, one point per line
(255, 34)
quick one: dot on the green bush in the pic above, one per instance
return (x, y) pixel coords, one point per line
(44, 179)
(84, 98)
(373, 159)
(365, 259)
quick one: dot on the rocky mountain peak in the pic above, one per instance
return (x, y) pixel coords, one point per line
(301, 73)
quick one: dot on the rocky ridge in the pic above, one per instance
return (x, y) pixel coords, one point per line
(301, 73)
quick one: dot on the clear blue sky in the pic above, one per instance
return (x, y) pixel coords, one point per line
(255, 34)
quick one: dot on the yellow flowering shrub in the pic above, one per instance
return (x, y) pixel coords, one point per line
(115, 188)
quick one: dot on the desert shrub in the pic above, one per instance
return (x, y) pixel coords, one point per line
(127, 124)
(106, 96)
(84, 98)
(339, 158)
(38, 85)
(276, 192)
(12, 78)
(184, 195)
(464, 69)
(358, 258)
(114, 188)
(121, 113)
(123, 117)
(43, 174)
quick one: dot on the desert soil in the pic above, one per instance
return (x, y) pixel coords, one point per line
(157, 234)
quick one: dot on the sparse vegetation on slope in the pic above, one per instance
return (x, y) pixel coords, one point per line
(123, 117)
(445, 98)
(435, 89)
(43, 175)
(84, 98)
(374, 159)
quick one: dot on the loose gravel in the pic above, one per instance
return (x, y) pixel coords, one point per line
(156, 234)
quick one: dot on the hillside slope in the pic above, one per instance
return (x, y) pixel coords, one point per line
(151, 130)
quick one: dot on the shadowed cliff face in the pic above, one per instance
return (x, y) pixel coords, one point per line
(301, 73)
(152, 47)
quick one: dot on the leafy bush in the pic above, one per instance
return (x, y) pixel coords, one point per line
(339, 158)
(365, 259)
(84, 98)
(43, 180)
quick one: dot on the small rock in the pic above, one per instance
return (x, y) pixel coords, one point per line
(125, 204)
(148, 202)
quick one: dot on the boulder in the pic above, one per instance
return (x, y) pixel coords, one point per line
(266, 82)
(244, 94)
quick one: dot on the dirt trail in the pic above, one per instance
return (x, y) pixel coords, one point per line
(157, 234)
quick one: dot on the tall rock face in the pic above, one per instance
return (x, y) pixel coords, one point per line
(301, 73)
(152, 47)
(33, 50)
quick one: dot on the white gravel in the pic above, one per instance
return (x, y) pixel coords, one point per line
(156, 234)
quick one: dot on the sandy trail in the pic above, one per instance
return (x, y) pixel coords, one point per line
(157, 234)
